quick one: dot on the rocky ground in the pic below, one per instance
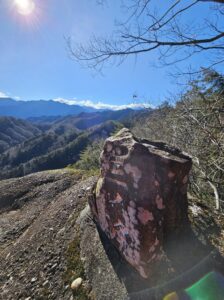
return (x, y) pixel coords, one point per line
(48, 239)
(36, 231)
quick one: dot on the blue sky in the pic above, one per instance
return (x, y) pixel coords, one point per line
(35, 63)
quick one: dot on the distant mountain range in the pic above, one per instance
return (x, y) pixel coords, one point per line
(39, 108)
(43, 135)
(48, 108)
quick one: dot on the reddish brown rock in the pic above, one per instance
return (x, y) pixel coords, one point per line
(141, 197)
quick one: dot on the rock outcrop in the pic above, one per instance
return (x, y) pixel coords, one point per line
(38, 238)
(141, 197)
(48, 239)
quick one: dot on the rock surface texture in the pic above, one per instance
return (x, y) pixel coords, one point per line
(36, 230)
(48, 239)
(141, 197)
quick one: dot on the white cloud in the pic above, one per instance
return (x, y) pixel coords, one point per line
(3, 95)
(101, 105)
(17, 98)
(7, 95)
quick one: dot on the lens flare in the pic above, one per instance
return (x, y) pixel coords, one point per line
(24, 7)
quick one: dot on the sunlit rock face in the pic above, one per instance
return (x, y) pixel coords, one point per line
(141, 197)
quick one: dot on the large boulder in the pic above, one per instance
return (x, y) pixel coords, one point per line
(141, 197)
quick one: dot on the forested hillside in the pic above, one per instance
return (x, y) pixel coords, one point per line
(15, 131)
(52, 143)
(195, 124)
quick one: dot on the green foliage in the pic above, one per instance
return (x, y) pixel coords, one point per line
(74, 264)
(90, 157)
(89, 162)
(75, 268)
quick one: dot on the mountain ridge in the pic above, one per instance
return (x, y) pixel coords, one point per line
(14, 131)
(38, 108)
(58, 142)
(52, 108)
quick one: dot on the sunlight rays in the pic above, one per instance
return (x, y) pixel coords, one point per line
(24, 7)
(28, 13)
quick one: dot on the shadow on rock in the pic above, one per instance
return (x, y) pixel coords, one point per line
(188, 259)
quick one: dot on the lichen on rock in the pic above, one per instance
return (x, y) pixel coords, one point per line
(140, 197)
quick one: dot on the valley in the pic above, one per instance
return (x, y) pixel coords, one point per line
(52, 143)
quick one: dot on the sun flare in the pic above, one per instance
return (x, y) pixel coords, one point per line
(24, 7)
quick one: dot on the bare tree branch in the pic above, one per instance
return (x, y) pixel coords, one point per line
(146, 30)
